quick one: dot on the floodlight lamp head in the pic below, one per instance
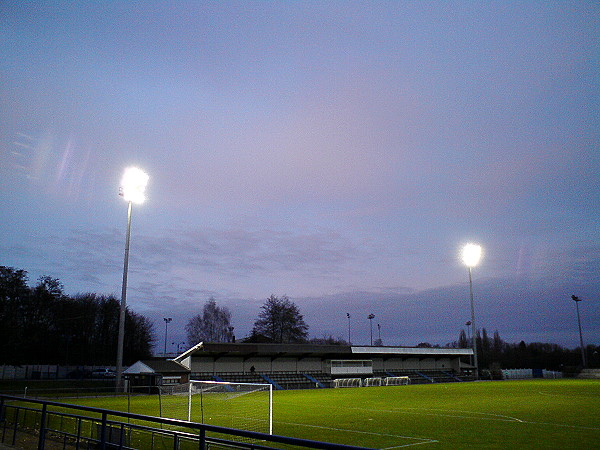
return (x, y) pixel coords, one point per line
(133, 185)
(471, 255)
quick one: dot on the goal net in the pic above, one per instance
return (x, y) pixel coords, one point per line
(396, 381)
(243, 406)
(347, 382)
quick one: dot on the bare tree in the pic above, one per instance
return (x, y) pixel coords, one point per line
(213, 325)
(280, 321)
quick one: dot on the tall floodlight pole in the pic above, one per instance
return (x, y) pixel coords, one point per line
(470, 255)
(583, 360)
(468, 325)
(348, 316)
(133, 185)
(371, 317)
(167, 321)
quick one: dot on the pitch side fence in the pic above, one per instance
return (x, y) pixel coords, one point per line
(52, 425)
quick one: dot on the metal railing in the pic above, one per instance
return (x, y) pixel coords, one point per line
(55, 425)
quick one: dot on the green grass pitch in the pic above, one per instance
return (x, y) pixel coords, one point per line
(507, 414)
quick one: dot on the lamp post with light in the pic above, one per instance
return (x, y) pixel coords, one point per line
(471, 255)
(133, 185)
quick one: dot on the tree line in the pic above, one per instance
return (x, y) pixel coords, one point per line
(43, 325)
(494, 353)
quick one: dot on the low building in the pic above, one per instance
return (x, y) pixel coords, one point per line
(220, 360)
(156, 372)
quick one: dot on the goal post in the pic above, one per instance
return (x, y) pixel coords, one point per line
(247, 406)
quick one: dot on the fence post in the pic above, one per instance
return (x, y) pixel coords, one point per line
(103, 432)
(202, 438)
(42, 440)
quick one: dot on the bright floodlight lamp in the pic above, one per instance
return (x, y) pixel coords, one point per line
(471, 254)
(133, 186)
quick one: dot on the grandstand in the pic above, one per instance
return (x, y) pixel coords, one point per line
(304, 366)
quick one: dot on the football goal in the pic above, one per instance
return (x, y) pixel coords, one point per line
(347, 382)
(244, 406)
(396, 381)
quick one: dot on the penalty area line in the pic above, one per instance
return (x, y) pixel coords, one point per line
(452, 413)
(372, 433)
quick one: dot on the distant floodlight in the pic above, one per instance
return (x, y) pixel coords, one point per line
(471, 254)
(133, 185)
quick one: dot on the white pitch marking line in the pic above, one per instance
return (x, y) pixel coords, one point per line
(498, 417)
(563, 425)
(435, 412)
(424, 440)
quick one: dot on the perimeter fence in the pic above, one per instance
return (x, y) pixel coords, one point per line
(29, 423)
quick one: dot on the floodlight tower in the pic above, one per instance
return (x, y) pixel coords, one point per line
(133, 186)
(577, 300)
(348, 316)
(471, 255)
(167, 321)
(468, 325)
(371, 317)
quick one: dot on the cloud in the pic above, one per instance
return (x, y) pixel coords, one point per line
(209, 260)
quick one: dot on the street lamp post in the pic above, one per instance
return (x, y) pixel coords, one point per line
(583, 360)
(470, 255)
(133, 185)
(167, 321)
(371, 317)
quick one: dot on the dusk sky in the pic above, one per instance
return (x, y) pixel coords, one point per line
(337, 152)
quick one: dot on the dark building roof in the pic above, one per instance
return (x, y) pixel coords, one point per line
(158, 366)
(319, 351)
